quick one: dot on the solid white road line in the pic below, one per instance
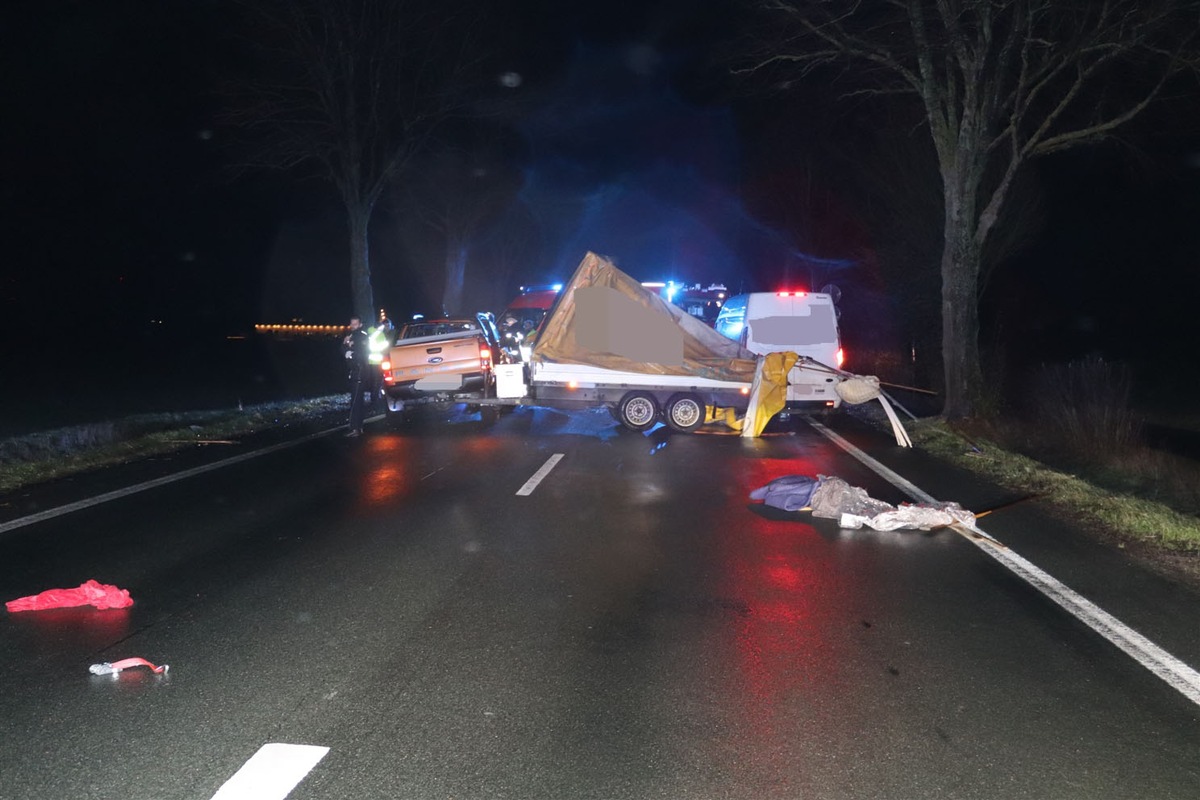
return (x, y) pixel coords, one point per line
(1166, 666)
(58, 511)
(540, 475)
(272, 772)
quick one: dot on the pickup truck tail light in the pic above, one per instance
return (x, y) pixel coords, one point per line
(386, 366)
(485, 359)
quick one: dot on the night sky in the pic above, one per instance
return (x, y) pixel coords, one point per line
(121, 219)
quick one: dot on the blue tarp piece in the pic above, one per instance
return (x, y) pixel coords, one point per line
(791, 492)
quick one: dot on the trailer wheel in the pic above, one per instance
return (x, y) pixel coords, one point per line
(638, 411)
(684, 412)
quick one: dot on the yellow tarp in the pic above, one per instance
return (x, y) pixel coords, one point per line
(605, 318)
(768, 394)
(726, 416)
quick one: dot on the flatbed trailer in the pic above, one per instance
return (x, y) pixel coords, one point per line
(609, 342)
(637, 400)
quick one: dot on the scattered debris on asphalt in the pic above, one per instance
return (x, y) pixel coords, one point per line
(832, 498)
(115, 667)
(89, 593)
(789, 493)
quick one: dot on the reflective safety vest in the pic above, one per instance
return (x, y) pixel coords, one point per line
(377, 344)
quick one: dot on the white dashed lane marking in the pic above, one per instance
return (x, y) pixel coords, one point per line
(272, 772)
(540, 475)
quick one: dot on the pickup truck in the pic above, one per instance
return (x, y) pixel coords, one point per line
(443, 360)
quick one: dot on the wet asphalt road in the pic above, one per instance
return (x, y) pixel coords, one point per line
(634, 627)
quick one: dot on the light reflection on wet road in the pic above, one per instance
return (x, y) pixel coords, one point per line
(634, 628)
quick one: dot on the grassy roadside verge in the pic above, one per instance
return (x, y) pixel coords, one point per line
(1158, 534)
(37, 457)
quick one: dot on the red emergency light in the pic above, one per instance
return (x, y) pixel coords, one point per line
(790, 294)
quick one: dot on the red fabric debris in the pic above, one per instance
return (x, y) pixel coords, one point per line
(89, 593)
(116, 666)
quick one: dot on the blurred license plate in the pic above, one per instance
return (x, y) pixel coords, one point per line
(439, 383)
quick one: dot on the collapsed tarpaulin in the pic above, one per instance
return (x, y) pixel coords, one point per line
(790, 493)
(726, 416)
(852, 507)
(833, 497)
(89, 593)
(768, 391)
(768, 394)
(859, 389)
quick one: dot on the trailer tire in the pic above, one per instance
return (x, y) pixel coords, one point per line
(638, 411)
(684, 412)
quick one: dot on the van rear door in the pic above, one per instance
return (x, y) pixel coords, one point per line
(793, 322)
(797, 322)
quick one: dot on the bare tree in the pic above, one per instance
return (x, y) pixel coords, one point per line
(894, 178)
(457, 192)
(514, 250)
(350, 91)
(1000, 82)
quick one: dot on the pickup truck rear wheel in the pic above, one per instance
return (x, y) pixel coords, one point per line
(638, 411)
(684, 412)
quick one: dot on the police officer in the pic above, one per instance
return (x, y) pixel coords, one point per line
(379, 341)
(357, 352)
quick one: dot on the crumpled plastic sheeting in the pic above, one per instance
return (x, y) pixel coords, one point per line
(88, 593)
(834, 497)
(858, 389)
(922, 517)
(853, 508)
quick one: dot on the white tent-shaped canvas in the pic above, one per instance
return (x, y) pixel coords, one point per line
(604, 318)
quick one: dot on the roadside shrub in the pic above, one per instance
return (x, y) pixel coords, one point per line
(36, 457)
(1083, 408)
(76, 440)
(57, 443)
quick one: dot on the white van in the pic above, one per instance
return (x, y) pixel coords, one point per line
(804, 323)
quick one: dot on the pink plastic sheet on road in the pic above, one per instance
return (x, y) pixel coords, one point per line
(88, 593)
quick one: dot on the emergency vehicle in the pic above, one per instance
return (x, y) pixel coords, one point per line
(520, 321)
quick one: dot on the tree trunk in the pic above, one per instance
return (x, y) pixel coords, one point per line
(960, 315)
(456, 270)
(361, 293)
(960, 158)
